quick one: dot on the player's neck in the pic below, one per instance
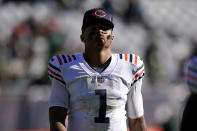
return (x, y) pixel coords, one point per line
(95, 59)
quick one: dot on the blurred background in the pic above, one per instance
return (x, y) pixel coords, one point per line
(162, 32)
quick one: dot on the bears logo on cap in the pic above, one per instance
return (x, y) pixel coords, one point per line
(100, 13)
(96, 15)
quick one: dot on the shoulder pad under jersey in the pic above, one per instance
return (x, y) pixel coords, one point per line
(54, 68)
(137, 62)
(191, 74)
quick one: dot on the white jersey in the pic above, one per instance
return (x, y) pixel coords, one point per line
(97, 101)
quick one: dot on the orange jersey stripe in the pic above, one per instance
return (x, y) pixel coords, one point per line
(137, 75)
(54, 73)
(125, 57)
(136, 59)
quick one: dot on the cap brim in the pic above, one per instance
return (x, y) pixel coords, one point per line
(106, 22)
(98, 21)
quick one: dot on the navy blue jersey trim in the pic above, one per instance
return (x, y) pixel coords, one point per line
(74, 57)
(120, 56)
(140, 67)
(131, 58)
(52, 59)
(64, 58)
(56, 78)
(190, 68)
(137, 79)
(54, 67)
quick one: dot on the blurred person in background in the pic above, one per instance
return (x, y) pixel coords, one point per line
(153, 67)
(132, 13)
(188, 122)
(97, 90)
(20, 49)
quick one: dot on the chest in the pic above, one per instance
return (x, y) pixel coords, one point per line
(110, 88)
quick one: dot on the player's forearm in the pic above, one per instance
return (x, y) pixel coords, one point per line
(57, 116)
(57, 126)
(138, 124)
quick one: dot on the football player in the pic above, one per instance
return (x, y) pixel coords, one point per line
(97, 90)
(188, 122)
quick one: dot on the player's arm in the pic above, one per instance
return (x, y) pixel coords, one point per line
(58, 106)
(135, 109)
(137, 124)
(59, 98)
(57, 116)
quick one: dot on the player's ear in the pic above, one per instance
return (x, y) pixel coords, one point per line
(112, 35)
(112, 38)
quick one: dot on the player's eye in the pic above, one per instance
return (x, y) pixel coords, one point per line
(91, 33)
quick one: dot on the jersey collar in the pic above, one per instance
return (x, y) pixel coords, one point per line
(110, 68)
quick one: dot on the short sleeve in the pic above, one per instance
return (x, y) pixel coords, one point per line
(134, 106)
(139, 71)
(59, 95)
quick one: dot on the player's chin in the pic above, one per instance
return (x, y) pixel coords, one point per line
(101, 43)
(103, 46)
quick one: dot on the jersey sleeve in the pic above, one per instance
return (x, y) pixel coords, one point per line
(134, 106)
(54, 70)
(139, 70)
(59, 94)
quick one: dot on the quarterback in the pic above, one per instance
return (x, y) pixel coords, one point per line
(97, 90)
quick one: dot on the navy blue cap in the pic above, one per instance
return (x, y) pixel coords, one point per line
(97, 15)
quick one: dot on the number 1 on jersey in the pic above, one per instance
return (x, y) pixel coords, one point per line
(103, 107)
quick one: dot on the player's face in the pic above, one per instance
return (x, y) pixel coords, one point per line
(97, 36)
